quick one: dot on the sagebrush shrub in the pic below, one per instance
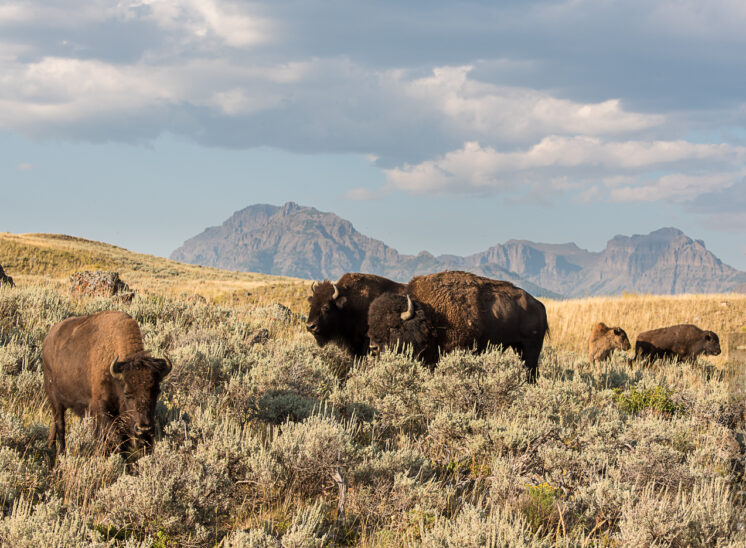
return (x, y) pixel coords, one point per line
(173, 493)
(251, 432)
(311, 451)
(47, 523)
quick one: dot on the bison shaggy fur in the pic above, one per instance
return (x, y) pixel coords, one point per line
(473, 312)
(604, 340)
(96, 365)
(682, 342)
(339, 311)
(397, 322)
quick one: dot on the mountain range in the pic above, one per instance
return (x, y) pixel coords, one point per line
(294, 240)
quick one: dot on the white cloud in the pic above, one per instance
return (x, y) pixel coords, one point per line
(25, 167)
(229, 22)
(676, 187)
(63, 90)
(475, 168)
(517, 113)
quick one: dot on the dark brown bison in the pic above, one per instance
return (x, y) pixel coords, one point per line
(97, 365)
(604, 340)
(5, 279)
(682, 342)
(339, 311)
(468, 311)
(396, 321)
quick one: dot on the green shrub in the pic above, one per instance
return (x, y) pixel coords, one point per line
(538, 506)
(656, 398)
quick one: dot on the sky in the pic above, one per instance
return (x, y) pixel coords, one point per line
(439, 126)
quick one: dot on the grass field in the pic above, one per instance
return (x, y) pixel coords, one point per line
(258, 444)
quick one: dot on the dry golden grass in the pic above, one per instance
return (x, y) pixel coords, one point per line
(44, 259)
(570, 321)
(41, 259)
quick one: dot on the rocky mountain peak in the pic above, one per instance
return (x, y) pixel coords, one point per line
(296, 240)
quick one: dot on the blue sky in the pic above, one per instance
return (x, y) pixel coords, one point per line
(445, 126)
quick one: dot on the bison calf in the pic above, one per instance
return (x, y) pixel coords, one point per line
(604, 340)
(396, 322)
(679, 342)
(97, 365)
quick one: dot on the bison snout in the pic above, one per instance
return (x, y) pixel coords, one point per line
(374, 350)
(313, 327)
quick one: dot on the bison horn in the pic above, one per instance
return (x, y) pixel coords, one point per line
(169, 366)
(410, 310)
(336, 292)
(113, 369)
(313, 287)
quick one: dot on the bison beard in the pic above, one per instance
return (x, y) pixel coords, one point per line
(83, 372)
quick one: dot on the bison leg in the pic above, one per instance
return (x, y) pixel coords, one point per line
(57, 433)
(56, 441)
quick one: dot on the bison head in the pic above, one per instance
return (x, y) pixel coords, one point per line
(138, 380)
(710, 343)
(396, 321)
(325, 316)
(618, 338)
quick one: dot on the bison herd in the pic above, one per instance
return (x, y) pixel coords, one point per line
(97, 364)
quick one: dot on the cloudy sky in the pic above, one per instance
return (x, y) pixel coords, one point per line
(446, 126)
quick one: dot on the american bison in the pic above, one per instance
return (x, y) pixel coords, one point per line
(604, 340)
(5, 279)
(97, 365)
(339, 311)
(396, 321)
(682, 342)
(464, 310)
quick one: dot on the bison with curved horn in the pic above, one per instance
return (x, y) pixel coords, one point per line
(339, 310)
(473, 312)
(467, 311)
(97, 365)
(398, 322)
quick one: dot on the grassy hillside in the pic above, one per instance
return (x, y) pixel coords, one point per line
(45, 258)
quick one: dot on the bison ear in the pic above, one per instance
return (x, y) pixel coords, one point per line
(310, 299)
(116, 369)
(340, 301)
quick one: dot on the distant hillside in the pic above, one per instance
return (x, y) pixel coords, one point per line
(293, 240)
(31, 257)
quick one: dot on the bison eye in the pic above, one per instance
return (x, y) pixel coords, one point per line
(707, 337)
